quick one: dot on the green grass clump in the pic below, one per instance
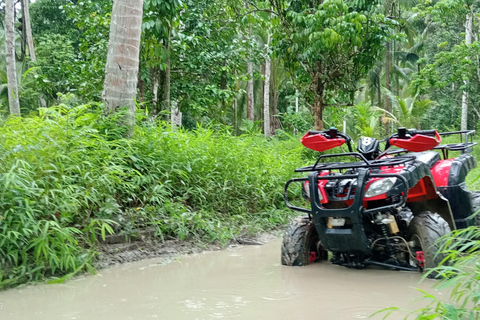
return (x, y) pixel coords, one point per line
(68, 177)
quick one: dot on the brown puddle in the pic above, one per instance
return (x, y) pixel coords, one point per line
(237, 283)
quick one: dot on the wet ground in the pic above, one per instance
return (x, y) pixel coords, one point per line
(238, 283)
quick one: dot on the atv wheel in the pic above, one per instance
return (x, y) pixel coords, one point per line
(301, 244)
(424, 230)
(475, 196)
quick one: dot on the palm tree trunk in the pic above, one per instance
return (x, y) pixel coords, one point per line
(468, 40)
(28, 30)
(121, 70)
(13, 100)
(29, 39)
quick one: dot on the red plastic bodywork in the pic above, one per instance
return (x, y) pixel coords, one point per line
(320, 143)
(440, 172)
(417, 143)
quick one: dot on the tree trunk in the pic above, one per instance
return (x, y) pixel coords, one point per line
(262, 95)
(379, 97)
(387, 83)
(154, 76)
(318, 104)
(318, 107)
(251, 101)
(29, 39)
(121, 70)
(275, 120)
(168, 75)
(13, 100)
(28, 30)
(266, 91)
(23, 38)
(141, 85)
(468, 40)
(250, 96)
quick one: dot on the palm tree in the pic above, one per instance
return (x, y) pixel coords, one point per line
(409, 111)
(13, 99)
(121, 71)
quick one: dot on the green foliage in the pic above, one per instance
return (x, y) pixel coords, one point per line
(448, 66)
(296, 121)
(92, 18)
(55, 59)
(409, 112)
(69, 179)
(336, 41)
(367, 120)
(49, 18)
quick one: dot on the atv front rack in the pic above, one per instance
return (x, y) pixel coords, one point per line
(364, 163)
(362, 177)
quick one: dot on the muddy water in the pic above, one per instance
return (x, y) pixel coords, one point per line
(238, 283)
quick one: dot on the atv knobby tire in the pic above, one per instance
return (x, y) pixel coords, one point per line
(425, 229)
(475, 196)
(299, 240)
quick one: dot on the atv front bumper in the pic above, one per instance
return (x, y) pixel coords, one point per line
(352, 237)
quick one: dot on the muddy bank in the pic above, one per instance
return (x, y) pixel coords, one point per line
(116, 250)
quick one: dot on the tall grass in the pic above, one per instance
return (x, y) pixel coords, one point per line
(67, 178)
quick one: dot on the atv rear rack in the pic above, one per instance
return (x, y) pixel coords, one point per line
(463, 147)
(364, 163)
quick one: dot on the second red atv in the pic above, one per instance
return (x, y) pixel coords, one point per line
(388, 208)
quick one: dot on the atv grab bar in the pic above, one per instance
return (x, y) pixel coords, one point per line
(285, 196)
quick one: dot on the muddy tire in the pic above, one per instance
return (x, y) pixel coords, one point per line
(301, 244)
(424, 230)
(475, 196)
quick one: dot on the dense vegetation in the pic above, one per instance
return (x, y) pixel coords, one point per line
(70, 177)
(70, 173)
(201, 56)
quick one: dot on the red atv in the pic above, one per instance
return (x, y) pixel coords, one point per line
(387, 208)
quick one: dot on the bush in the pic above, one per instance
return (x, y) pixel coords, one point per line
(68, 177)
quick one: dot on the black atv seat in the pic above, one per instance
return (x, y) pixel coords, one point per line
(430, 158)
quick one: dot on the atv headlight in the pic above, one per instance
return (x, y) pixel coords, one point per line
(380, 187)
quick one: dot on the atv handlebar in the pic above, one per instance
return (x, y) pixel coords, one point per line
(334, 133)
(403, 132)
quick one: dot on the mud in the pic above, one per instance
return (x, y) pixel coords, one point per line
(241, 282)
(115, 250)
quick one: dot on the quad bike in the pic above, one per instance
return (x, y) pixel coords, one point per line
(386, 208)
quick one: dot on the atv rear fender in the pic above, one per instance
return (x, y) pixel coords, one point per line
(449, 176)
